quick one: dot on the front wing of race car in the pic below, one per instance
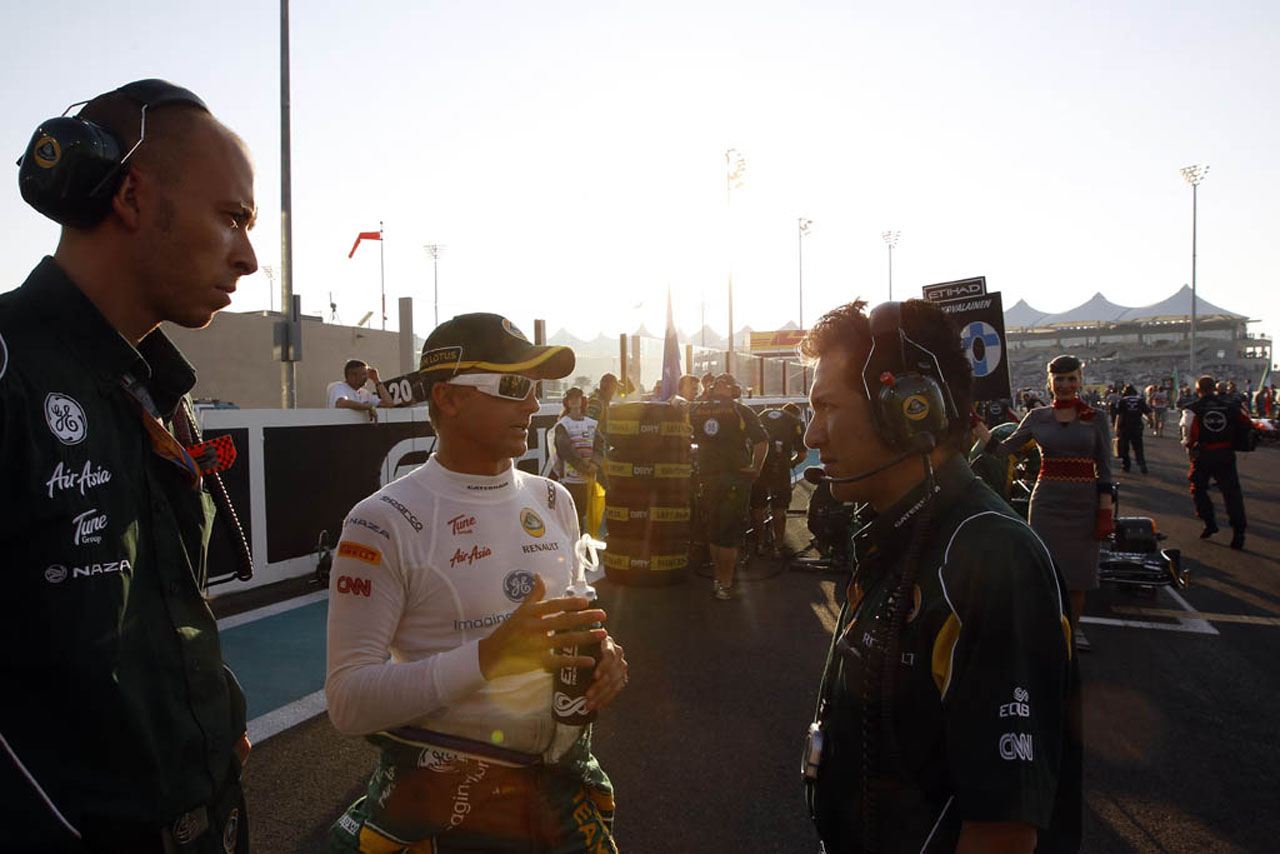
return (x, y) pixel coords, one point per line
(1132, 556)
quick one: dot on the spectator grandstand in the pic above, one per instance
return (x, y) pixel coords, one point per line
(1138, 345)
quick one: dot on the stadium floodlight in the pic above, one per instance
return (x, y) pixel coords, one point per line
(1193, 175)
(803, 224)
(735, 166)
(891, 238)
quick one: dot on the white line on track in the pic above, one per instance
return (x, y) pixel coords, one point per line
(270, 610)
(1195, 624)
(278, 720)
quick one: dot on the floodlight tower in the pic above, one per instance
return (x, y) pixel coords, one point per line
(1193, 175)
(735, 166)
(803, 224)
(891, 238)
(433, 249)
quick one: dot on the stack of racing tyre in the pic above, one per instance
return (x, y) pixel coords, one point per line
(647, 508)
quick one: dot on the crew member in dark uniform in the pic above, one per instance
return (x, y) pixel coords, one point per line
(1130, 414)
(731, 449)
(123, 730)
(773, 487)
(995, 412)
(1212, 439)
(948, 711)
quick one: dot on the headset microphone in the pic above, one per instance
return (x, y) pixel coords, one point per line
(921, 443)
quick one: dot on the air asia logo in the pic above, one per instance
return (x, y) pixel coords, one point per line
(58, 573)
(89, 526)
(1215, 421)
(476, 553)
(65, 418)
(404, 511)
(355, 586)
(356, 551)
(46, 152)
(532, 523)
(711, 427)
(518, 584)
(462, 524)
(89, 477)
(531, 548)
(916, 407)
(368, 526)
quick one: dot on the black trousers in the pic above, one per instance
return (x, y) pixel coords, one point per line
(1124, 440)
(1222, 469)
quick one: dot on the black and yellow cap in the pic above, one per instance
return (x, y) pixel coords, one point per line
(489, 342)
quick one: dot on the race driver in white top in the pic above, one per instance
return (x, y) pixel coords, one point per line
(440, 619)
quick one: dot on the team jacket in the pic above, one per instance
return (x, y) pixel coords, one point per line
(983, 683)
(117, 706)
(1215, 423)
(426, 567)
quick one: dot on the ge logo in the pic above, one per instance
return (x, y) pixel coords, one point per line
(65, 418)
(1020, 694)
(518, 584)
(711, 427)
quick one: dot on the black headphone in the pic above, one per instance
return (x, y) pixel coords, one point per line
(909, 397)
(72, 167)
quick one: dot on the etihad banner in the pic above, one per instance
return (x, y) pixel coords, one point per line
(782, 342)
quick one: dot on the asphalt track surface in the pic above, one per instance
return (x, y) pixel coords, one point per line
(704, 744)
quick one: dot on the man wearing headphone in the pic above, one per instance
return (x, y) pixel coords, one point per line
(943, 719)
(121, 728)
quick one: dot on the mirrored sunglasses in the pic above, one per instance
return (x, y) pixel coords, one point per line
(506, 386)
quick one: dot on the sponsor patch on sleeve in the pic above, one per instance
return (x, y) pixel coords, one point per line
(371, 556)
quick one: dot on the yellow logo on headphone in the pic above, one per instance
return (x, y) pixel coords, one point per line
(46, 151)
(916, 407)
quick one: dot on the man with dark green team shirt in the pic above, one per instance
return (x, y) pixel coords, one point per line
(948, 712)
(731, 449)
(122, 728)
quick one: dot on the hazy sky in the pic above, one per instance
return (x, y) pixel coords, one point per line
(570, 156)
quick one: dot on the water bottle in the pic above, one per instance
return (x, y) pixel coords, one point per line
(569, 694)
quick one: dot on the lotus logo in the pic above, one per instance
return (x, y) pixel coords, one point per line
(46, 152)
(916, 407)
(532, 523)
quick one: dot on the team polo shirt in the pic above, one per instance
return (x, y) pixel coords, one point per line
(427, 567)
(725, 431)
(116, 701)
(984, 681)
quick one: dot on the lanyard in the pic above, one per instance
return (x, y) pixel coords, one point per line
(163, 443)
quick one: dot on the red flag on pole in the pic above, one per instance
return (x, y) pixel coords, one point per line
(364, 235)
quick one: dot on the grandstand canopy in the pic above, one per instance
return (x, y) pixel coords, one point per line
(1099, 309)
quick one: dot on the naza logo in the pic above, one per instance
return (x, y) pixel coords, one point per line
(532, 523)
(355, 586)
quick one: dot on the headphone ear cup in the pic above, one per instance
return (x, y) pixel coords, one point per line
(70, 171)
(914, 404)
